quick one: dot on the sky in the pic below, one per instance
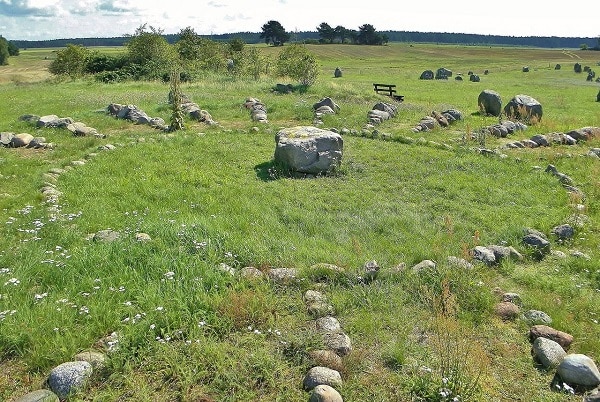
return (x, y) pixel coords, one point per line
(65, 19)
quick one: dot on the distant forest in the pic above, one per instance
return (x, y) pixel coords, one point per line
(393, 36)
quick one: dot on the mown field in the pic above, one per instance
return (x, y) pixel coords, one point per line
(210, 195)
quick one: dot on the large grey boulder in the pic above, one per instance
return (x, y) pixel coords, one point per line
(389, 108)
(537, 317)
(327, 101)
(282, 276)
(6, 138)
(525, 108)
(490, 102)
(443, 73)
(426, 75)
(548, 352)
(328, 324)
(81, 130)
(308, 150)
(579, 369)
(69, 377)
(50, 120)
(21, 140)
(537, 242)
(378, 116)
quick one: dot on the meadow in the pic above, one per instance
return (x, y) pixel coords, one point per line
(187, 331)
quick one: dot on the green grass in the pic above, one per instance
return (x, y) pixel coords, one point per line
(212, 195)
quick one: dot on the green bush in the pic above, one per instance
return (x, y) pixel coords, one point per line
(71, 61)
(298, 63)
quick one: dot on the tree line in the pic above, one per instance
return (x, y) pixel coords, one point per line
(275, 34)
(314, 37)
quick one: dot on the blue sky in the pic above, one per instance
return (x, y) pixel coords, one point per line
(56, 19)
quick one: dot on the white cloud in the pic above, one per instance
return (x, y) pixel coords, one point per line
(49, 19)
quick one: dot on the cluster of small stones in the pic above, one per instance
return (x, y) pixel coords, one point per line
(323, 107)
(573, 372)
(324, 377)
(136, 115)
(194, 111)
(503, 129)
(78, 129)
(24, 140)
(381, 112)
(546, 140)
(444, 73)
(258, 110)
(565, 181)
(437, 119)
(590, 73)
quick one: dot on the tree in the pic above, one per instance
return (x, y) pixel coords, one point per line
(368, 36)
(236, 44)
(326, 32)
(71, 61)
(13, 50)
(148, 45)
(3, 51)
(188, 44)
(341, 33)
(298, 63)
(274, 33)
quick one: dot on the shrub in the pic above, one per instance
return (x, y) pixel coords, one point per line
(298, 63)
(149, 49)
(3, 51)
(71, 61)
(98, 63)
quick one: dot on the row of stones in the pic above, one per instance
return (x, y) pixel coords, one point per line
(27, 140)
(138, 116)
(379, 113)
(315, 305)
(323, 378)
(79, 129)
(550, 346)
(258, 110)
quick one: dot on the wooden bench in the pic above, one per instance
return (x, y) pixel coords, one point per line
(389, 90)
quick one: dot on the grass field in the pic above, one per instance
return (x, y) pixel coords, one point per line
(208, 195)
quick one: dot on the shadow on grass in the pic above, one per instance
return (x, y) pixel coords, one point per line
(271, 170)
(289, 88)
